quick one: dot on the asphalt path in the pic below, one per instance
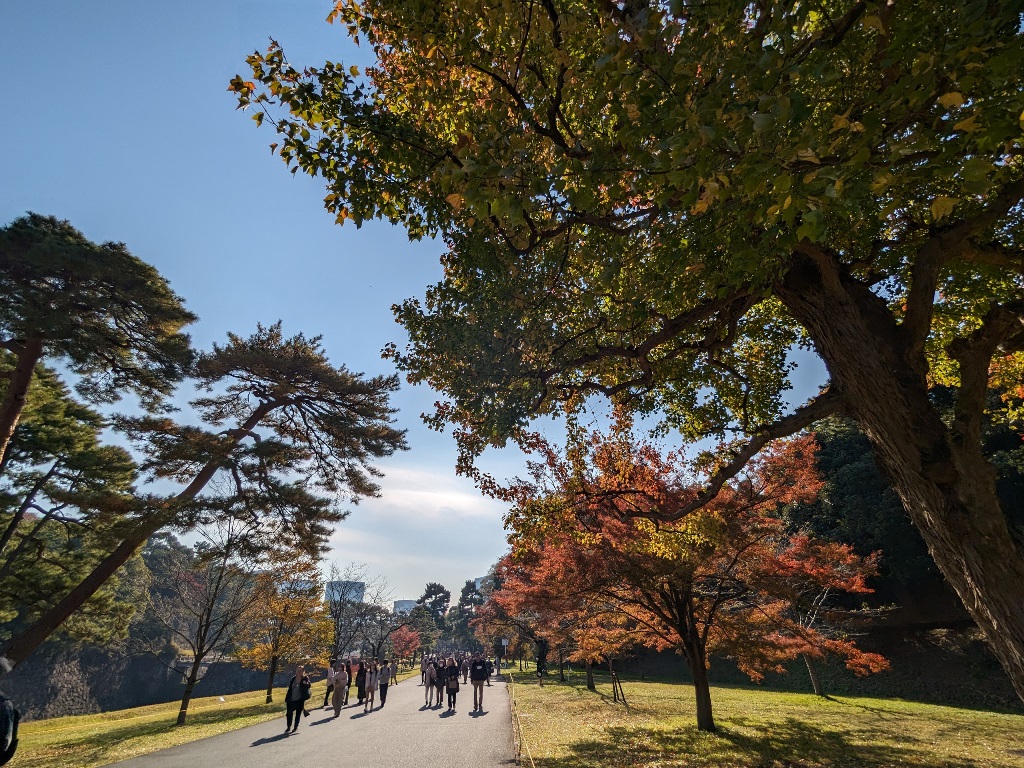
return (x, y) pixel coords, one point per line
(403, 733)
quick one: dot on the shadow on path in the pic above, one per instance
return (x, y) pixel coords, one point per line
(269, 739)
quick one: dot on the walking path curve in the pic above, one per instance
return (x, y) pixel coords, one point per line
(404, 732)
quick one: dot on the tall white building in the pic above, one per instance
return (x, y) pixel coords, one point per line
(404, 606)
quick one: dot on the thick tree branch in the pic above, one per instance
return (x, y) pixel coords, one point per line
(974, 353)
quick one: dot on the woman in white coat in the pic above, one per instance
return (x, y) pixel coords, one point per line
(372, 681)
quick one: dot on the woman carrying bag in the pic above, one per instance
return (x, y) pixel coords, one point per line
(295, 698)
(451, 682)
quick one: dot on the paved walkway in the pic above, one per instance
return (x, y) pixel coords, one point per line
(403, 733)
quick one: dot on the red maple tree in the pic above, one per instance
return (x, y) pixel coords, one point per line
(405, 642)
(594, 550)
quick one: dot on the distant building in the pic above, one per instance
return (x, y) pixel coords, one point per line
(404, 606)
(352, 591)
(479, 582)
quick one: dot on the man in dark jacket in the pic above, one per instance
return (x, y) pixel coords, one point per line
(478, 675)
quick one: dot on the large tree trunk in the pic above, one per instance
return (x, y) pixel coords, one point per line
(939, 471)
(812, 672)
(190, 684)
(702, 694)
(28, 353)
(590, 676)
(270, 679)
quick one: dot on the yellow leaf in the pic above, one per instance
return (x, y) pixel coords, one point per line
(633, 111)
(951, 99)
(354, 71)
(967, 125)
(873, 22)
(839, 122)
(454, 200)
(943, 206)
(808, 156)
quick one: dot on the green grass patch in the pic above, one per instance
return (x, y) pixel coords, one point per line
(88, 741)
(564, 725)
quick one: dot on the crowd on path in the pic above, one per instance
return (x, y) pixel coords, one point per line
(438, 676)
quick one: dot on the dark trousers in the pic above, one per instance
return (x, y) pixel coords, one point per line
(383, 693)
(361, 691)
(294, 710)
(451, 697)
(327, 696)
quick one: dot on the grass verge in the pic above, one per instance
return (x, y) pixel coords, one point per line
(89, 741)
(563, 725)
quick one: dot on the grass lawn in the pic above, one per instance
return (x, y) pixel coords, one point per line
(88, 741)
(567, 726)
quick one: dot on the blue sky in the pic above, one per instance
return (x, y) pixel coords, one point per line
(117, 117)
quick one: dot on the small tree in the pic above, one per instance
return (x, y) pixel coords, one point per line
(588, 539)
(289, 624)
(405, 642)
(352, 600)
(376, 631)
(213, 590)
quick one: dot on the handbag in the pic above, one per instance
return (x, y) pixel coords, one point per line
(453, 683)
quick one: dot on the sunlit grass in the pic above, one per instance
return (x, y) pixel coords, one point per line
(88, 741)
(567, 726)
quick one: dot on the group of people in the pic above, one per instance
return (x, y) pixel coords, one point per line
(367, 676)
(440, 676)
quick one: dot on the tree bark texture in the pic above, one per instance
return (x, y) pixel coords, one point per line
(190, 684)
(590, 676)
(270, 679)
(938, 471)
(29, 352)
(812, 672)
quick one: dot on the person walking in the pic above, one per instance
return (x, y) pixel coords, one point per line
(330, 683)
(295, 698)
(371, 683)
(451, 682)
(394, 671)
(439, 678)
(465, 670)
(351, 680)
(361, 682)
(340, 697)
(478, 674)
(428, 685)
(385, 681)
(490, 671)
(424, 664)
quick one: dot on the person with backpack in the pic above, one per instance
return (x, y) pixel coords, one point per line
(478, 674)
(295, 699)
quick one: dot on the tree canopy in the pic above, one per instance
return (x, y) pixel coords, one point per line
(657, 200)
(100, 310)
(285, 440)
